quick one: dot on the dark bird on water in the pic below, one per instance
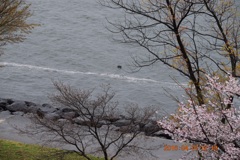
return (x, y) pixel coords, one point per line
(119, 67)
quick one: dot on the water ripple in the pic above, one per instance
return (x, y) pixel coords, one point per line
(107, 75)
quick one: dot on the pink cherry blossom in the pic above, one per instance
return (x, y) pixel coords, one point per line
(211, 124)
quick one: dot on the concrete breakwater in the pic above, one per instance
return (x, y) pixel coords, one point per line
(48, 111)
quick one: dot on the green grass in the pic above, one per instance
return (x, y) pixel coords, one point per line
(10, 150)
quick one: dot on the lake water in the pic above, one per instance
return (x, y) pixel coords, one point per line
(73, 45)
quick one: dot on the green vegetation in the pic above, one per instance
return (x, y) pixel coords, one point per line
(10, 150)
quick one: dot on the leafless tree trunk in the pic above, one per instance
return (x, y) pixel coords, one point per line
(194, 37)
(94, 129)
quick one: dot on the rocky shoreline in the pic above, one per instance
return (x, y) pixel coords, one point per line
(17, 107)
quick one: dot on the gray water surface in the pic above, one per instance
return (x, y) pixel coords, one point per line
(73, 45)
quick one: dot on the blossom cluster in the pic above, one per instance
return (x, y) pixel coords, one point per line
(213, 123)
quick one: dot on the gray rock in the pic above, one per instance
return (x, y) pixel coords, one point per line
(30, 103)
(3, 106)
(121, 123)
(40, 113)
(34, 108)
(63, 121)
(128, 129)
(47, 108)
(4, 103)
(18, 113)
(78, 120)
(47, 105)
(83, 122)
(151, 128)
(17, 106)
(29, 115)
(69, 115)
(103, 122)
(52, 116)
(111, 119)
(161, 134)
(68, 110)
(9, 101)
(6, 113)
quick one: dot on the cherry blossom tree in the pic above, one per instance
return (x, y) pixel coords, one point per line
(215, 123)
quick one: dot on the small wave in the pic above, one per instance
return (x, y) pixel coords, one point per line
(109, 75)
